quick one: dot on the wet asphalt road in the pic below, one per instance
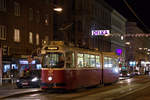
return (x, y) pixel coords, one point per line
(135, 88)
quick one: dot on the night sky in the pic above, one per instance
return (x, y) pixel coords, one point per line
(141, 8)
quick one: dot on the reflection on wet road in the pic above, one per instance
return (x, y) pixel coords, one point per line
(121, 88)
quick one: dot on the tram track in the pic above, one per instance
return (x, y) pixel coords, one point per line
(104, 92)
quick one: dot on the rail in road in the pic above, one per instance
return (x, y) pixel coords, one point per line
(115, 91)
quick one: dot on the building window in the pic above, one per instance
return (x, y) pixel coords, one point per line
(47, 1)
(37, 16)
(30, 37)
(16, 9)
(16, 35)
(2, 32)
(30, 14)
(46, 20)
(37, 39)
(5, 50)
(79, 26)
(2, 5)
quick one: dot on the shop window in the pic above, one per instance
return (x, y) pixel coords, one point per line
(38, 66)
(6, 68)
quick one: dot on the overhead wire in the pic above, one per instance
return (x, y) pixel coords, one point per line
(134, 13)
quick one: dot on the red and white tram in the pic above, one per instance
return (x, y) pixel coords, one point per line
(71, 67)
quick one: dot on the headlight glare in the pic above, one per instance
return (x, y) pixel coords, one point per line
(18, 81)
(34, 79)
(50, 78)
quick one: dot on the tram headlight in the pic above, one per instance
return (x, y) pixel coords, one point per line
(50, 78)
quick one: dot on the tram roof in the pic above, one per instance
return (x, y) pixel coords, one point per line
(62, 46)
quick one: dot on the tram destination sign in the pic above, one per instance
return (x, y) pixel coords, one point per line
(51, 48)
(100, 32)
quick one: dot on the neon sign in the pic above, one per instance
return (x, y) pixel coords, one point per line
(100, 32)
(118, 51)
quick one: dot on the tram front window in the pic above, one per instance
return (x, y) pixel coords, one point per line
(53, 60)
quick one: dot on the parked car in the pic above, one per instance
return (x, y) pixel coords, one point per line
(31, 80)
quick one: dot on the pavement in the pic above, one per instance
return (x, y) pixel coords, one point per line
(9, 90)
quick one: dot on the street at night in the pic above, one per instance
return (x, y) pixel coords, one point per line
(74, 50)
(131, 88)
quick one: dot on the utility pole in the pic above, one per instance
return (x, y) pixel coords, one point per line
(1, 67)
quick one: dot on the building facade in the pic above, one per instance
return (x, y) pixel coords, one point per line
(137, 51)
(118, 32)
(23, 27)
(137, 43)
(79, 18)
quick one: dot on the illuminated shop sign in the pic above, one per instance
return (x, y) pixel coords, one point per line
(51, 48)
(119, 51)
(100, 32)
(23, 62)
(33, 62)
(132, 63)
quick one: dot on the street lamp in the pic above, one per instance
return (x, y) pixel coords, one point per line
(140, 48)
(127, 43)
(122, 37)
(58, 9)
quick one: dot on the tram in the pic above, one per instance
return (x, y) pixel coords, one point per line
(69, 67)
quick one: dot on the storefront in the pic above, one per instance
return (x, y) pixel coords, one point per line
(16, 67)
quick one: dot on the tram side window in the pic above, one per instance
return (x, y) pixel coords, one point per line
(92, 61)
(86, 60)
(98, 61)
(115, 63)
(105, 61)
(108, 62)
(80, 60)
(70, 60)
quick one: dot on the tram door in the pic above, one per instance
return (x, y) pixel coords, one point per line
(70, 60)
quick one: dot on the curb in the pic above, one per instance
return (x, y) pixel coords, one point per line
(132, 92)
(21, 93)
